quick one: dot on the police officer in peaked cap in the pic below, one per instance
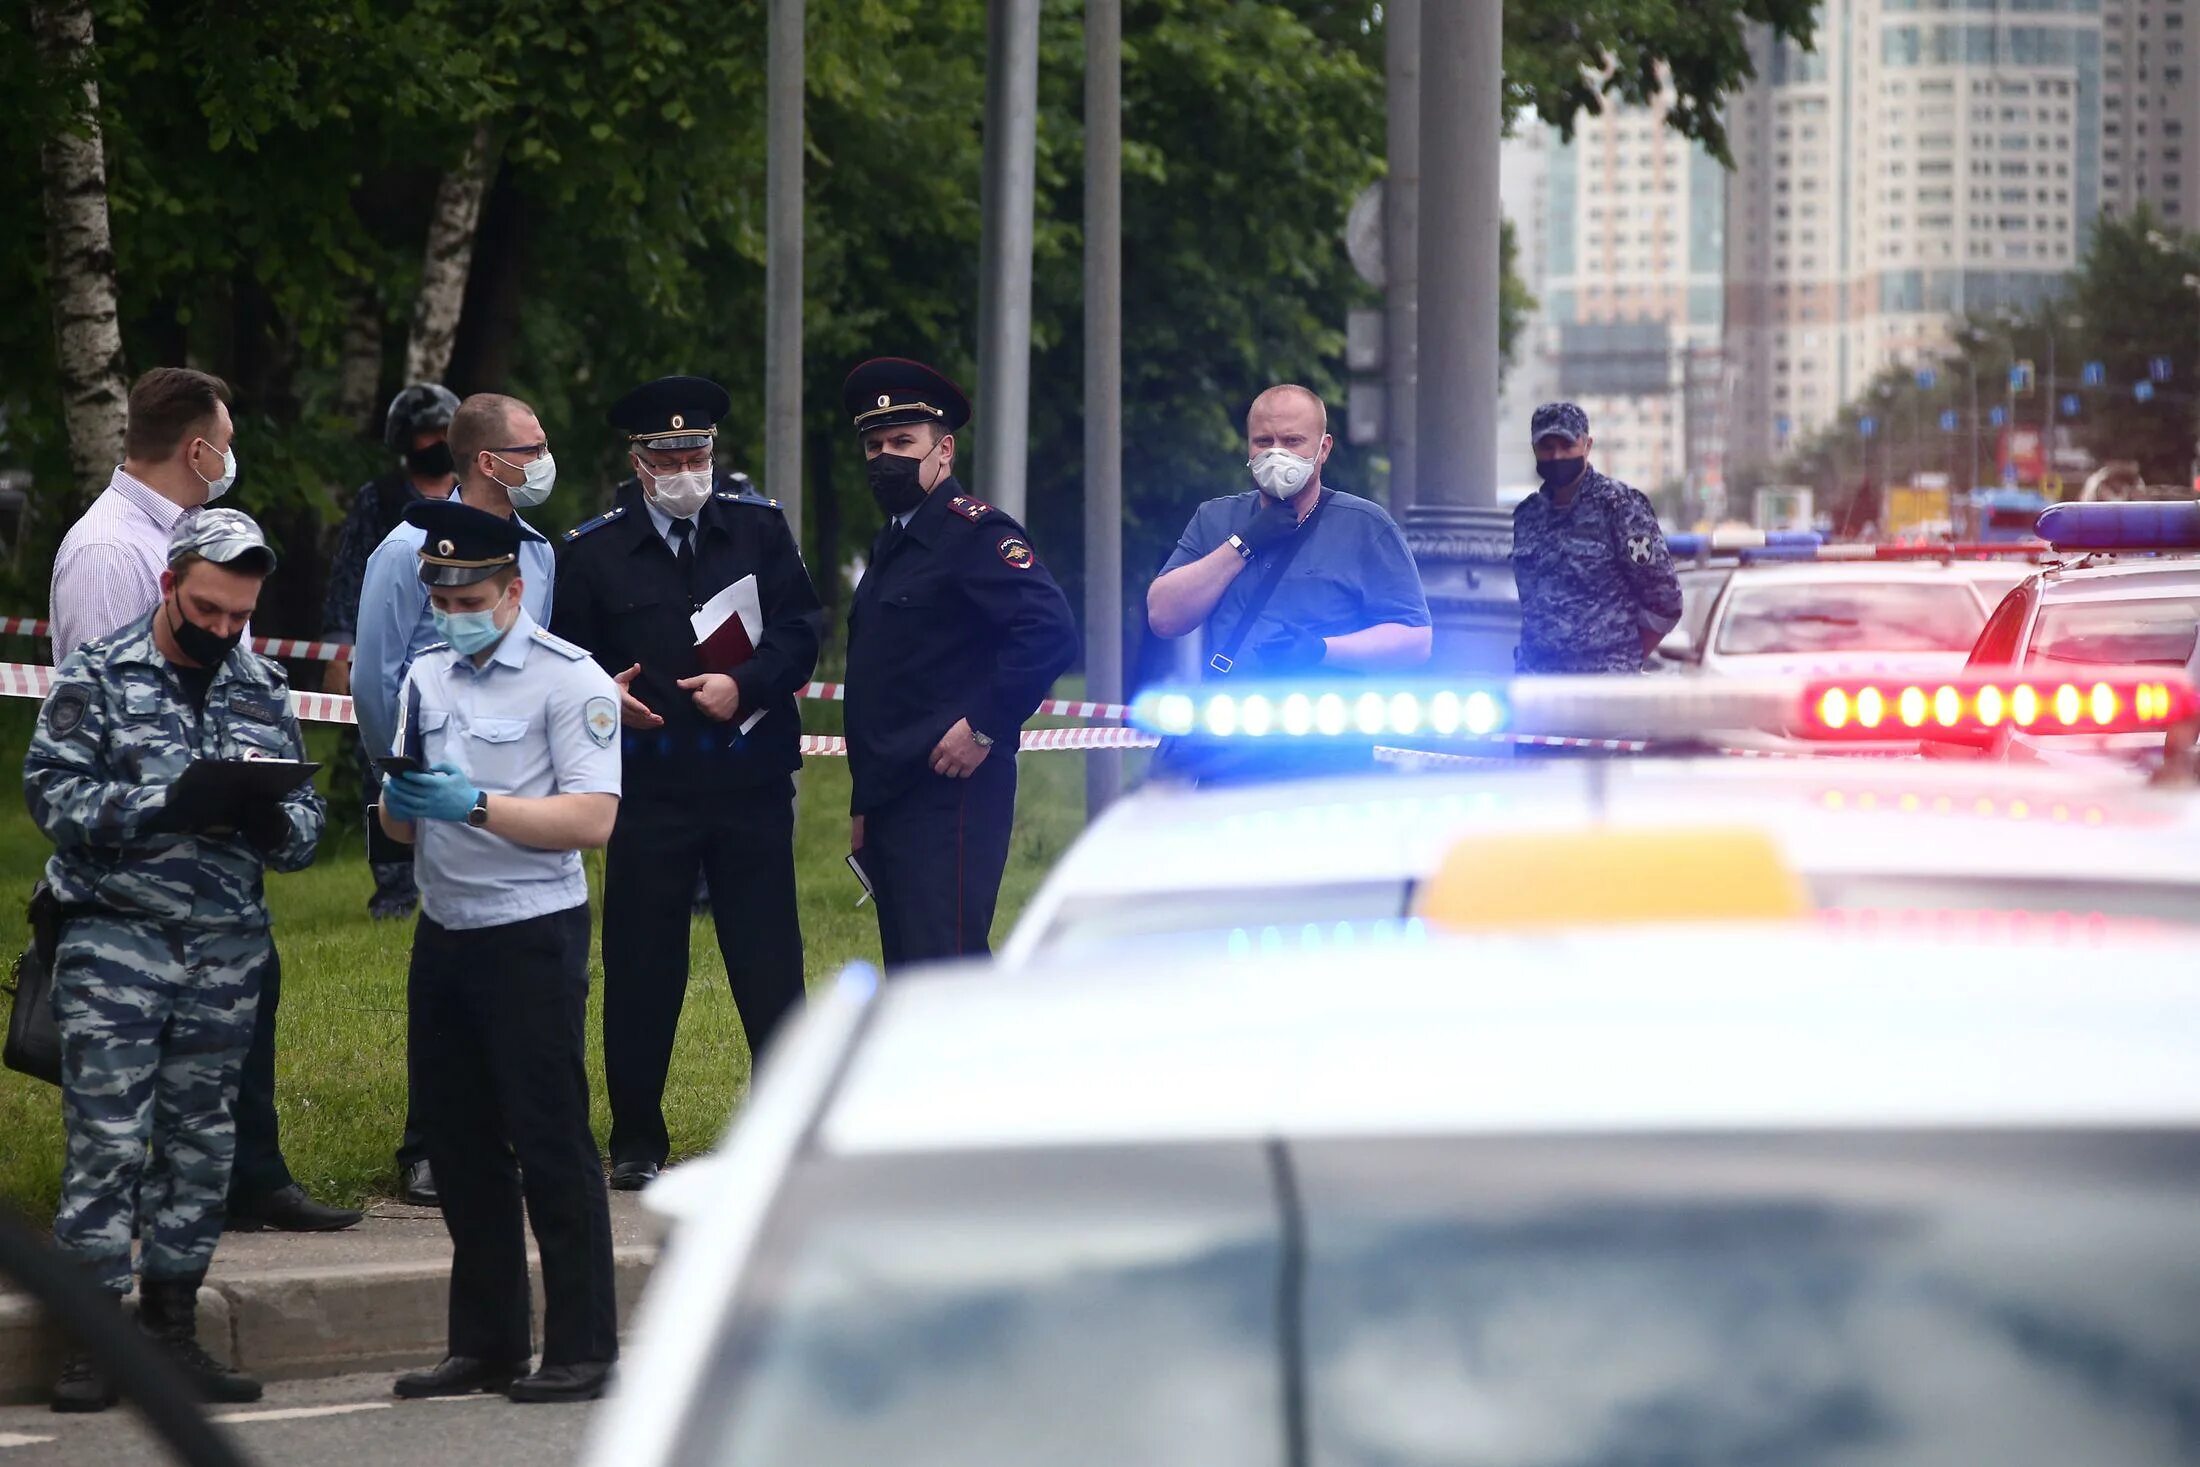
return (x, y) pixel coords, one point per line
(955, 635)
(711, 740)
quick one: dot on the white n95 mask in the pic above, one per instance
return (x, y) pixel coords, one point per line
(1280, 473)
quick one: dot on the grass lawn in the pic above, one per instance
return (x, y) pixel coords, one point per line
(341, 1054)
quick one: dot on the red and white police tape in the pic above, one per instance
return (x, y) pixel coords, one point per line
(35, 680)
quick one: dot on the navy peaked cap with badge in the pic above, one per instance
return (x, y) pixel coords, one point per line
(671, 412)
(886, 392)
(1558, 420)
(463, 544)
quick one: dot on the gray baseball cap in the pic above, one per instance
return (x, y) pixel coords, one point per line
(1558, 420)
(224, 536)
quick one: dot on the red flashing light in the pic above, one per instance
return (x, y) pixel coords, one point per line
(2113, 701)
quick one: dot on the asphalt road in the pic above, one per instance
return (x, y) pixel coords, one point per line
(308, 1423)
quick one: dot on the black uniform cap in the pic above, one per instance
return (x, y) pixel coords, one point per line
(463, 544)
(886, 392)
(671, 412)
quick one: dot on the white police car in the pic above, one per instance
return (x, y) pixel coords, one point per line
(1867, 835)
(1754, 1193)
(2126, 593)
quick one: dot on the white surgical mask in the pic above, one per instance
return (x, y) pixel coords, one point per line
(680, 494)
(536, 477)
(1280, 473)
(216, 488)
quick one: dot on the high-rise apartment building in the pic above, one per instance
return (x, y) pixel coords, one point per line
(2150, 108)
(1625, 260)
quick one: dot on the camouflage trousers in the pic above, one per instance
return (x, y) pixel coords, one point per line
(155, 1019)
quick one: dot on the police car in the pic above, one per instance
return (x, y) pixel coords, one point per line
(2124, 592)
(1762, 1191)
(1868, 836)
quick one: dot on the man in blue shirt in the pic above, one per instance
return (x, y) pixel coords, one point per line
(1597, 589)
(519, 730)
(504, 465)
(1349, 597)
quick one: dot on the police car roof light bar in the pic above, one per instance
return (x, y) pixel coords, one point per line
(2101, 701)
(2122, 525)
(1693, 543)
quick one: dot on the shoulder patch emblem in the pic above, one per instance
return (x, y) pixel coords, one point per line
(970, 509)
(601, 717)
(1015, 551)
(65, 709)
(1638, 549)
(597, 523)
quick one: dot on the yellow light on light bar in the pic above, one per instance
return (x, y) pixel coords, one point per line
(2134, 701)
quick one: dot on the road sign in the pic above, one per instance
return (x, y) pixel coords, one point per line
(1947, 420)
(2020, 377)
(1926, 377)
(1363, 234)
(2095, 374)
(1363, 339)
(2070, 404)
(1867, 425)
(1782, 424)
(1997, 417)
(2143, 391)
(2158, 369)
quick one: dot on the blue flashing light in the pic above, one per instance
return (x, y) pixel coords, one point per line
(859, 981)
(1693, 543)
(2167, 525)
(1346, 712)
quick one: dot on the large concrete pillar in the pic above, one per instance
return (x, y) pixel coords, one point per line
(783, 85)
(1462, 541)
(1103, 384)
(1401, 242)
(1004, 250)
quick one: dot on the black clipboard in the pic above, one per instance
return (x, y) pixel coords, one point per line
(215, 793)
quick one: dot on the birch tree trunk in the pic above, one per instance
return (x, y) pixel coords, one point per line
(80, 253)
(359, 367)
(450, 255)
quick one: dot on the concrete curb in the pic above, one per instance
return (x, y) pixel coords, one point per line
(301, 1323)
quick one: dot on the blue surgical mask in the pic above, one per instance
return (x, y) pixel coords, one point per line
(468, 632)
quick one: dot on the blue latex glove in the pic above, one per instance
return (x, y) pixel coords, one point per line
(397, 801)
(443, 794)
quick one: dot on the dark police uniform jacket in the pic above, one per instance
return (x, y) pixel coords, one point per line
(619, 594)
(955, 618)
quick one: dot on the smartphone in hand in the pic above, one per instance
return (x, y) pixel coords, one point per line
(396, 764)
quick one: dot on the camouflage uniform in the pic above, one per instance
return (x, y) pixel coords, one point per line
(1594, 578)
(160, 963)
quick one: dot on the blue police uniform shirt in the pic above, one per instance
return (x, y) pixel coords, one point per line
(538, 717)
(395, 625)
(1353, 572)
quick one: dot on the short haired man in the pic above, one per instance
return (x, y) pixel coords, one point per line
(955, 634)
(1597, 589)
(164, 945)
(417, 431)
(502, 459)
(521, 729)
(710, 747)
(177, 459)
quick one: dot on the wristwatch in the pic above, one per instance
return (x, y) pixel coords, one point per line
(479, 815)
(983, 740)
(1245, 551)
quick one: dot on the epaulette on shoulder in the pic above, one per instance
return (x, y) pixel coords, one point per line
(615, 512)
(727, 496)
(970, 509)
(559, 645)
(433, 647)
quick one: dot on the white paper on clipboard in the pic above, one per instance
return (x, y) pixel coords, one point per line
(737, 601)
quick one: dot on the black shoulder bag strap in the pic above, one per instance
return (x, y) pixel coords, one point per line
(1226, 659)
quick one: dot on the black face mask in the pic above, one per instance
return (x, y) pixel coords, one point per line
(1557, 473)
(895, 482)
(196, 642)
(432, 462)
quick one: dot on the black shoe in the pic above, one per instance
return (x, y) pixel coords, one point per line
(632, 1176)
(391, 909)
(168, 1310)
(419, 1188)
(582, 1382)
(81, 1385)
(458, 1375)
(290, 1210)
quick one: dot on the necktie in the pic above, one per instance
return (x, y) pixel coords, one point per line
(683, 539)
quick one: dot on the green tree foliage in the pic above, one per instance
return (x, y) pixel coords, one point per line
(272, 170)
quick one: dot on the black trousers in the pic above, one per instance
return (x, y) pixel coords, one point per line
(935, 854)
(259, 1168)
(499, 1023)
(742, 842)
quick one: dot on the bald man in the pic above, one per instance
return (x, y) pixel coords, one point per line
(1291, 577)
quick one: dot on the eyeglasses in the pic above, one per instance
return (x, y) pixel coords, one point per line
(521, 448)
